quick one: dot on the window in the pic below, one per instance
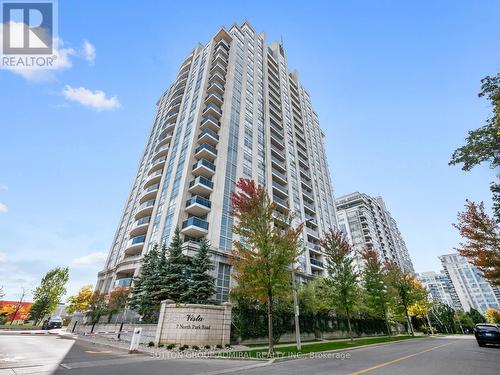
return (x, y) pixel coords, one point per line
(223, 282)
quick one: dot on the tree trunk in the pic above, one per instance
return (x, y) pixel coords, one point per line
(429, 323)
(270, 322)
(410, 326)
(349, 325)
(388, 326)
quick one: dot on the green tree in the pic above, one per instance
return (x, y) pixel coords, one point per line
(403, 288)
(342, 275)
(444, 315)
(201, 287)
(376, 296)
(98, 306)
(483, 144)
(145, 287)
(174, 278)
(262, 256)
(476, 316)
(48, 294)
(464, 320)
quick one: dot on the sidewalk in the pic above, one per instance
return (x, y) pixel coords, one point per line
(263, 346)
(30, 332)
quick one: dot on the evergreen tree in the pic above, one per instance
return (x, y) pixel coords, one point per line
(145, 287)
(174, 283)
(201, 283)
(476, 316)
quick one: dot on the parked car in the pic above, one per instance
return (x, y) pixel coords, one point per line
(487, 334)
(52, 323)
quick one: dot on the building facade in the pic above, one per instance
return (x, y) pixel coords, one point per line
(367, 223)
(440, 289)
(472, 289)
(234, 110)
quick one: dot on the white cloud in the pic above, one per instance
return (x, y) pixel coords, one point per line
(3, 257)
(89, 51)
(4, 187)
(94, 99)
(90, 259)
(3, 208)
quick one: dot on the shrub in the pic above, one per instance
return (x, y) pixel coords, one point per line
(161, 345)
(207, 346)
(183, 347)
(170, 346)
(218, 346)
(151, 343)
(195, 347)
(227, 346)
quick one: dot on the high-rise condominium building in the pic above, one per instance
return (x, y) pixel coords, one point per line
(234, 110)
(440, 288)
(368, 224)
(472, 289)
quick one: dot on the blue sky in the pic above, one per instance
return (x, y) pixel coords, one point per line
(394, 83)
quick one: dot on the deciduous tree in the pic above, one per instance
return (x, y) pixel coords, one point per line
(48, 294)
(482, 235)
(376, 295)
(492, 315)
(81, 300)
(342, 275)
(262, 256)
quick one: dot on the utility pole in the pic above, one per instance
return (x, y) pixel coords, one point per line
(296, 313)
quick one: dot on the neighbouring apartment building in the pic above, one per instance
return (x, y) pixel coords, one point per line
(472, 289)
(440, 288)
(367, 223)
(234, 110)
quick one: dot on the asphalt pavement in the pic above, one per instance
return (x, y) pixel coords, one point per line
(54, 354)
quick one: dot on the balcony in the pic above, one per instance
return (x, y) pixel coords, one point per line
(212, 110)
(135, 244)
(280, 190)
(171, 117)
(124, 282)
(153, 178)
(217, 77)
(278, 164)
(306, 185)
(305, 174)
(303, 162)
(281, 177)
(316, 263)
(149, 193)
(140, 226)
(214, 98)
(281, 204)
(313, 233)
(198, 206)
(166, 139)
(157, 164)
(222, 50)
(210, 122)
(168, 127)
(308, 196)
(277, 142)
(216, 87)
(195, 227)
(203, 168)
(314, 247)
(145, 209)
(160, 151)
(309, 207)
(218, 67)
(222, 43)
(208, 136)
(206, 151)
(278, 153)
(201, 186)
(220, 58)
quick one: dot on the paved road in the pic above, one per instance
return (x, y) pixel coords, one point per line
(53, 354)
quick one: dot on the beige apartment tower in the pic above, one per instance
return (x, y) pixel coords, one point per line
(234, 110)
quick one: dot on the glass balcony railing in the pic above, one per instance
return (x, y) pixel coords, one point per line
(280, 187)
(199, 200)
(280, 201)
(203, 181)
(316, 262)
(205, 163)
(137, 240)
(195, 221)
(142, 221)
(124, 282)
(279, 174)
(147, 204)
(151, 188)
(209, 132)
(206, 146)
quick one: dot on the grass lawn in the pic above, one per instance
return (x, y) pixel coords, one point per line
(286, 351)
